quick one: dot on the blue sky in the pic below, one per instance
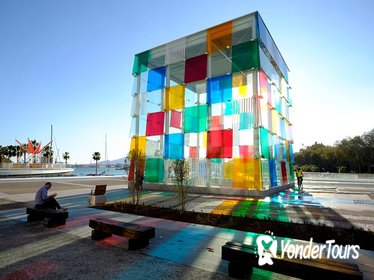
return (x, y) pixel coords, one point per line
(68, 63)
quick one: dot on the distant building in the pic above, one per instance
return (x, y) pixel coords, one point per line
(221, 99)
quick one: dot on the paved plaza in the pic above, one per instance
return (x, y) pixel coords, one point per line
(179, 250)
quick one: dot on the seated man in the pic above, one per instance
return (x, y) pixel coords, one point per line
(43, 200)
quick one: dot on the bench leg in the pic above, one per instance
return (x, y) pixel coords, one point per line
(97, 234)
(135, 244)
(56, 222)
(34, 217)
(239, 269)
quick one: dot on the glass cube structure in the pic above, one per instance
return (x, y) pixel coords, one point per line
(219, 98)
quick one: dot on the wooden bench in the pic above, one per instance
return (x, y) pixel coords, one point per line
(138, 235)
(55, 217)
(242, 258)
(97, 195)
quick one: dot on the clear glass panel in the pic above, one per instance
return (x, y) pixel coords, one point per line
(196, 44)
(175, 51)
(244, 29)
(157, 57)
(220, 63)
(175, 74)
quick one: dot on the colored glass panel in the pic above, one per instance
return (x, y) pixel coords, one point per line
(273, 173)
(138, 143)
(227, 169)
(245, 56)
(174, 98)
(154, 170)
(246, 121)
(219, 89)
(140, 63)
(195, 119)
(216, 123)
(246, 151)
(193, 152)
(155, 123)
(156, 79)
(196, 68)
(175, 119)
(292, 172)
(284, 173)
(246, 174)
(264, 134)
(219, 37)
(219, 144)
(174, 146)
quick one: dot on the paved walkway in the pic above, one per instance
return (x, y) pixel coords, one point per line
(179, 250)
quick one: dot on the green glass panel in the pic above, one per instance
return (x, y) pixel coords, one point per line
(141, 63)
(264, 143)
(292, 172)
(195, 119)
(245, 56)
(216, 160)
(246, 120)
(154, 170)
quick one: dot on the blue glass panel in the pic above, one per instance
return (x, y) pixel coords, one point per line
(156, 79)
(219, 89)
(174, 146)
(273, 173)
(291, 154)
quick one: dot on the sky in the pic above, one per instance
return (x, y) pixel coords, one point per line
(69, 64)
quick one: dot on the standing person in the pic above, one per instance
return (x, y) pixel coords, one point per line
(299, 176)
(43, 200)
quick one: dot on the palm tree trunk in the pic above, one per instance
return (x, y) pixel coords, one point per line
(96, 167)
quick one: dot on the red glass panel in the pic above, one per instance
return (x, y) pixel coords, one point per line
(155, 123)
(175, 119)
(219, 144)
(196, 68)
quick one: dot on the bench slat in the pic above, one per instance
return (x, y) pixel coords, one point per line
(129, 230)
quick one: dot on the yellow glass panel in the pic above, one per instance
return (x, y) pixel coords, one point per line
(238, 80)
(243, 91)
(138, 143)
(246, 174)
(227, 169)
(204, 139)
(219, 37)
(174, 98)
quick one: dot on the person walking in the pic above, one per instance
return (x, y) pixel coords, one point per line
(299, 176)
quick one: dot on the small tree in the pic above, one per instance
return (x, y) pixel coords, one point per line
(66, 156)
(181, 170)
(96, 157)
(137, 158)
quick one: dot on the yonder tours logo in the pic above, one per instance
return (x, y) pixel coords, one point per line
(267, 249)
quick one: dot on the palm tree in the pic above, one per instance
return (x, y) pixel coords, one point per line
(66, 156)
(47, 153)
(96, 157)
